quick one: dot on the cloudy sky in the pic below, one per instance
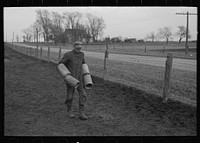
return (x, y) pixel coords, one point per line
(130, 22)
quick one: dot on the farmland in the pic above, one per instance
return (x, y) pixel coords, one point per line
(34, 105)
(152, 49)
(142, 76)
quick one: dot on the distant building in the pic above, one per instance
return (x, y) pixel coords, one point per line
(115, 40)
(74, 35)
(141, 41)
(130, 40)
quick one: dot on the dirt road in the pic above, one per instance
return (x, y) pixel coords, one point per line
(34, 105)
(183, 64)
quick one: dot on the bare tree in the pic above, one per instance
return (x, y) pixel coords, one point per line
(56, 27)
(73, 22)
(43, 18)
(151, 36)
(28, 34)
(72, 19)
(181, 33)
(17, 38)
(95, 25)
(37, 29)
(165, 33)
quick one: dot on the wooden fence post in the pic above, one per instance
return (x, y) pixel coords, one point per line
(40, 53)
(27, 50)
(59, 54)
(48, 54)
(30, 51)
(163, 49)
(168, 66)
(105, 67)
(37, 52)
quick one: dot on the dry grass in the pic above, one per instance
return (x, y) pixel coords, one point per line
(146, 77)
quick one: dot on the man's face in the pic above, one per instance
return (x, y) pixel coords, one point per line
(78, 47)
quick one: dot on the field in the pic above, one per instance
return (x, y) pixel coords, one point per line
(144, 77)
(34, 105)
(152, 49)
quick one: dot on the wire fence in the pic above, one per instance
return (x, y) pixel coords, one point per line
(139, 72)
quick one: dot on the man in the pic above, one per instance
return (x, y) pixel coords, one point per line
(73, 60)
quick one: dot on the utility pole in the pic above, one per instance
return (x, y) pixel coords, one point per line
(187, 27)
(37, 42)
(13, 37)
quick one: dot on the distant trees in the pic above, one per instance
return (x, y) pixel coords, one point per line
(165, 33)
(44, 20)
(37, 29)
(27, 34)
(72, 19)
(56, 27)
(17, 38)
(53, 26)
(151, 36)
(95, 26)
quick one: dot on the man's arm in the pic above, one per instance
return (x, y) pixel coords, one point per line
(64, 59)
(83, 59)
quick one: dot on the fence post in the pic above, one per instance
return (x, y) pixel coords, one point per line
(48, 54)
(25, 50)
(30, 51)
(37, 49)
(105, 60)
(163, 49)
(59, 54)
(40, 53)
(28, 48)
(168, 66)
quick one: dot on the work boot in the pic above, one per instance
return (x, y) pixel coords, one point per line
(69, 113)
(82, 115)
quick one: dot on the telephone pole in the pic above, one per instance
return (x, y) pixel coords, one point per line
(13, 37)
(187, 25)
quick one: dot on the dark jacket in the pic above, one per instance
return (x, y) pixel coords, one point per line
(73, 60)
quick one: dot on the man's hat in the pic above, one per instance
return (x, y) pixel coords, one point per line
(78, 44)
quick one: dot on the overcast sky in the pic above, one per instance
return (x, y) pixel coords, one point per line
(130, 22)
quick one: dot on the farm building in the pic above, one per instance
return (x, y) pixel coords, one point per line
(141, 41)
(130, 40)
(74, 34)
(77, 34)
(115, 40)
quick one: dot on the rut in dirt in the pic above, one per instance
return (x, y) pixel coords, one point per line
(34, 105)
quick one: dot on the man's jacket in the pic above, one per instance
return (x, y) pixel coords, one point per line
(73, 60)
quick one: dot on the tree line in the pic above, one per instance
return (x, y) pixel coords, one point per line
(166, 34)
(52, 26)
